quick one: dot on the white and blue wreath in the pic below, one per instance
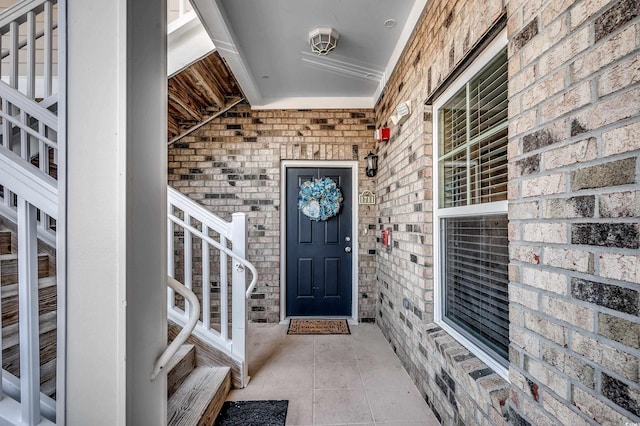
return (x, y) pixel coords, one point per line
(320, 199)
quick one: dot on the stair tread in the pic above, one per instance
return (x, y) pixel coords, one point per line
(179, 367)
(11, 333)
(180, 354)
(199, 399)
(12, 289)
(9, 267)
(5, 241)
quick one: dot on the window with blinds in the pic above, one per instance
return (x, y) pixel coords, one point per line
(472, 217)
(473, 139)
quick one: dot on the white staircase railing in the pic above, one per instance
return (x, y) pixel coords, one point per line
(29, 36)
(208, 255)
(22, 403)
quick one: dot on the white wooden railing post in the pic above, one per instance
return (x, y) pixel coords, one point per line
(170, 259)
(238, 293)
(224, 291)
(29, 321)
(206, 280)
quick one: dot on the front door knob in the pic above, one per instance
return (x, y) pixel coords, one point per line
(347, 249)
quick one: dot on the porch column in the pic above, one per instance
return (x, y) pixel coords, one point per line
(115, 213)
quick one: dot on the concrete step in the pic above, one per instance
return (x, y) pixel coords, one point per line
(200, 397)
(9, 267)
(179, 367)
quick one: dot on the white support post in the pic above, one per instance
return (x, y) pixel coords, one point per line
(48, 50)
(224, 291)
(206, 281)
(117, 326)
(238, 294)
(31, 55)
(24, 137)
(29, 322)
(171, 296)
(13, 49)
(188, 267)
(43, 149)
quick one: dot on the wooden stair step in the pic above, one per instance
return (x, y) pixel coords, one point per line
(5, 242)
(179, 367)
(11, 344)
(47, 299)
(200, 397)
(9, 267)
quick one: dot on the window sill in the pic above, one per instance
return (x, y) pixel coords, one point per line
(482, 384)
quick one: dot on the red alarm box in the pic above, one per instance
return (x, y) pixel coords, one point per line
(382, 134)
(386, 237)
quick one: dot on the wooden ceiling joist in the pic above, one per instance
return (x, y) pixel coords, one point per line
(212, 90)
(198, 92)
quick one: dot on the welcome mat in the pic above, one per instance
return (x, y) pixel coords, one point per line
(253, 413)
(318, 326)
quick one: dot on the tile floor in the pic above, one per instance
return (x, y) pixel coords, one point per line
(333, 380)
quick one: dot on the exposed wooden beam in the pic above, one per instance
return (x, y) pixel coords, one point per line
(213, 91)
(181, 97)
(198, 93)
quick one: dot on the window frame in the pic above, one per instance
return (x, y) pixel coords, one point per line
(496, 207)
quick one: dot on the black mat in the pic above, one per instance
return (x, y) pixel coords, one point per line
(253, 413)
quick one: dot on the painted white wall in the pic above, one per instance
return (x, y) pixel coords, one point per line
(188, 42)
(116, 211)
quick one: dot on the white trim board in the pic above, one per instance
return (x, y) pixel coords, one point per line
(353, 165)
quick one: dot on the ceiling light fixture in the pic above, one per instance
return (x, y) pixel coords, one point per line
(390, 23)
(323, 40)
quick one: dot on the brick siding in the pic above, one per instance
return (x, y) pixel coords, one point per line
(574, 208)
(574, 228)
(574, 341)
(233, 165)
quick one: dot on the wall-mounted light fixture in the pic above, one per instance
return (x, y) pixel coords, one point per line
(323, 40)
(372, 164)
(403, 110)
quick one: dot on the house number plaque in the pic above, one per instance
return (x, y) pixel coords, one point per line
(367, 197)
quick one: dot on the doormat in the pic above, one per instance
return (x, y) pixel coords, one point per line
(252, 413)
(318, 326)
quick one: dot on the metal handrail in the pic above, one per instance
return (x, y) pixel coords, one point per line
(241, 260)
(194, 316)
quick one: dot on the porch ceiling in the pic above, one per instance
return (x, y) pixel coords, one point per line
(266, 44)
(198, 92)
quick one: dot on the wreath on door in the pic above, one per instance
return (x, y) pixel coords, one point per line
(320, 199)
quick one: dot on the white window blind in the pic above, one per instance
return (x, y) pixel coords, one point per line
(474, 255)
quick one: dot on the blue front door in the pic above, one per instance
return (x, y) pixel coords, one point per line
(318, 253)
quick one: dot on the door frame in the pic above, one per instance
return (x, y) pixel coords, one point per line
(353, 165)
